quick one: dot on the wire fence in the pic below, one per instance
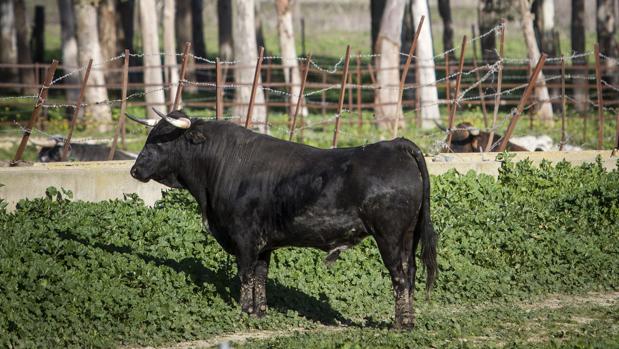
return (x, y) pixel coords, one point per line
(479, 87)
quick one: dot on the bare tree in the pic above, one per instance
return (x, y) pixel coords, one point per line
(259, 29)
(487, 19)
(184, 31)
(88, 47)
(150, 44)
(544, 25)
(388, 64)
(224, 18)
(606, 25)
(22, 28)
(69, 47)
(199, 46)
(578, 37)
(376, 13)
(169, 47)
(108, 38)
(245, 51)
(541, 90)
(8, 43)
(444, 8)
(427, 78)
(288, 49)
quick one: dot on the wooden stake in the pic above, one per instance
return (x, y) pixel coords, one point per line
(411, 52)
(323, 95)
(123, 106)
(359, 83)
(179, 89)
(563, 103)
(600, 92)
(300, 99)
(268, 84)
(252, 98)
(523, 101)
(340, 104)
(454, 106)
(78, 105)
(482, 97)
(36, 112)
(218, 91)
(497, 98)
(447, 84)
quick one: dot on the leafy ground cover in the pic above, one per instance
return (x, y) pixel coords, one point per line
(118, 273)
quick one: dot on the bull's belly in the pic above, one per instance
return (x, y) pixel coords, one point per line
(326, 229)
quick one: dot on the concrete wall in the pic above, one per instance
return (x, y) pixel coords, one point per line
(97, 181)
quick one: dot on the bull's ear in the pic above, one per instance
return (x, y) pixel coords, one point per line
(195, 136)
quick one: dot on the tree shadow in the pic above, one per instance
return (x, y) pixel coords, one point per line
(280, 297)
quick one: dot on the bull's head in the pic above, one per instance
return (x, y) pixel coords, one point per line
(165, 146)
(465, 138)
(51, 148)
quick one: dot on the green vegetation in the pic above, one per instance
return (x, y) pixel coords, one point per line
(120, 273)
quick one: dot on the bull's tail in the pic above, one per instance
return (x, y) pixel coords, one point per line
(428, 236)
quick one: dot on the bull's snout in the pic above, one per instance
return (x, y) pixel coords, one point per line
(135, 173)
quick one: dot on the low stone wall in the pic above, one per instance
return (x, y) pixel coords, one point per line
(97, 181)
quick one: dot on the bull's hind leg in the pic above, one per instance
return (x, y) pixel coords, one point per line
(392, 228)
(261, 271)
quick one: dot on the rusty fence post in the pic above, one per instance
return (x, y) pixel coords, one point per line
(523, 101)
(300, 98)
(482, 97)
(499, 83)
(411, 52)
(563, 103)
(76, 111)
(254, 86)
(267, 97)
(454, 106)
(447, 84)
(323, 95)
(340, 103)
(123, 107)
(218, 91)
(600, 92)
(181, 83)
(36, 112)
(359, 83)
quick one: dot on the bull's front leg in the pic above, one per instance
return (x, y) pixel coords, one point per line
(261, 273)
(247, 277)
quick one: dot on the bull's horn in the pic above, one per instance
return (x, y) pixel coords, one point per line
(180, 123)
(441, 127)
(145, 122)
(474, 131)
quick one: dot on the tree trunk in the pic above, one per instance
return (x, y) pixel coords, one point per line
(169, 47)
(427, 78)
(108, 38)
(288, 50)
(541, 91)
(199, 46)
(488, 18)
(545, 32)
(245, 51)
(377, 7)
(606, 34)
(224, 18)
(69, 48)
(22, 27)
(88, 47)
(38, 35)
(444, 8)
(150, 45)
(8, 43)
(408, 33)
(126, 10)
(388, 64)
(259, 30)
(581, 92)
(184, 33)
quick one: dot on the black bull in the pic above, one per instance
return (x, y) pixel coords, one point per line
(258, 193)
